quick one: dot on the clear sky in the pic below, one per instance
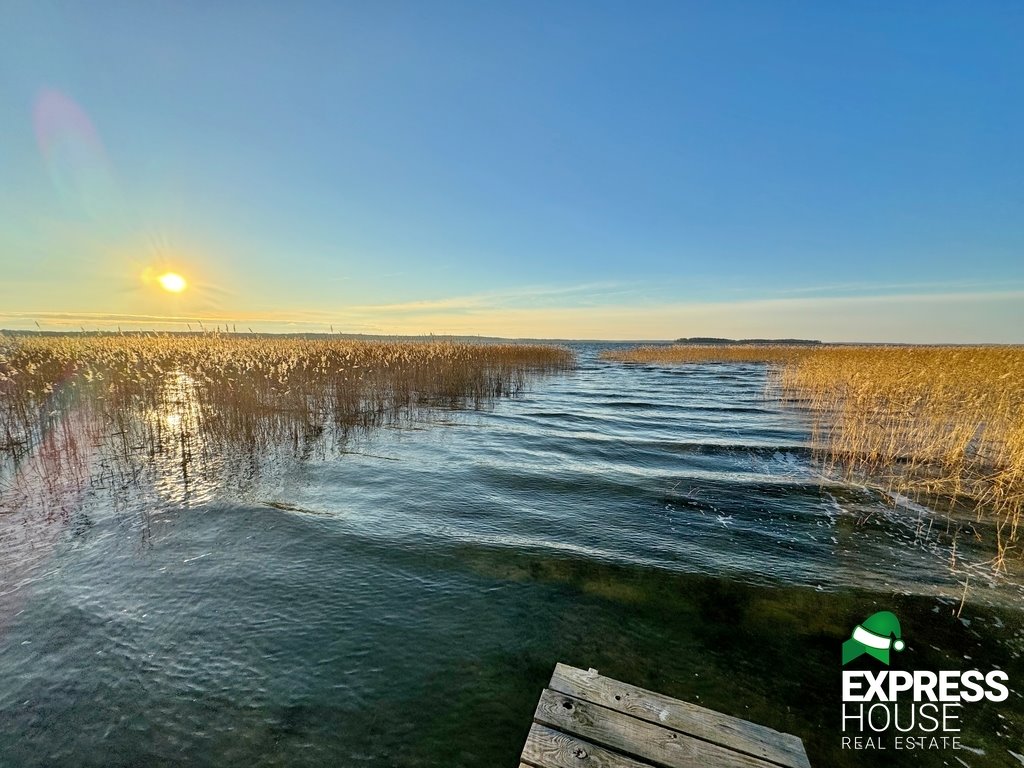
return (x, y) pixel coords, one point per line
(844, 171)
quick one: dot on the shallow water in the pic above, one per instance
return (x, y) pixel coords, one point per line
(403, 603)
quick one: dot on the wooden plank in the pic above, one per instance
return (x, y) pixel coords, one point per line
(548, 748)
(731, 732)
(635, 737)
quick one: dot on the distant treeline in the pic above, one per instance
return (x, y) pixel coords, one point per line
(714, 340)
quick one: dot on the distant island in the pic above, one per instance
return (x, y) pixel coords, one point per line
(714, 340)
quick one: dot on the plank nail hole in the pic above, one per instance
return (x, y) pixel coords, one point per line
(567, 704)
(618, 698)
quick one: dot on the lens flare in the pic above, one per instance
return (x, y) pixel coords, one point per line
(173, 282)
(74, 155)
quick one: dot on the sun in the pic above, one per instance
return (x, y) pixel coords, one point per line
(173, 282)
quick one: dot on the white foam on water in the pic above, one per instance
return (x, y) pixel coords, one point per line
(907, 503)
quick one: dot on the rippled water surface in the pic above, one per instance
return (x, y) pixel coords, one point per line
(403, 603)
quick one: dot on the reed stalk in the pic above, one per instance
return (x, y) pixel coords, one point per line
(118, 401)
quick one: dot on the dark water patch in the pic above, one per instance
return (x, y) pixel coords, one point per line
(286, 507)
(671, 409)
(785, 453)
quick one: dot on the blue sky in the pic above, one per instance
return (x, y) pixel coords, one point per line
(848, 171)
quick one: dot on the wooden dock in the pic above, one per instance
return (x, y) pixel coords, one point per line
(584, 720)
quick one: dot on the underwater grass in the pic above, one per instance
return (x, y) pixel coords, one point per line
(924, 421)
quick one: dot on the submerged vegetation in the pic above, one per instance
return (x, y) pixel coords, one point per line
(75, 405)
(925, 421)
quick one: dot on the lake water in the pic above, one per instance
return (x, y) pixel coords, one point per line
(404, 603)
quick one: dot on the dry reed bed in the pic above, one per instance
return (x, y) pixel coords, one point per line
(937, 421)
(124, 398)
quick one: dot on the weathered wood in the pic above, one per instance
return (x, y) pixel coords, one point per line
(726, 731)
(548, 748)
(585, 719)
(635, 737)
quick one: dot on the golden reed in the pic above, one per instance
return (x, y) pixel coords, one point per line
(75, 405)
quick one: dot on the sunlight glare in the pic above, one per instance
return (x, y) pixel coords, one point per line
(173, 282)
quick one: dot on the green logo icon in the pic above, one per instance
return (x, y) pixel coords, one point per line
(875, 637)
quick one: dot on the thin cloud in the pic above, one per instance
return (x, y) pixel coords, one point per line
(492, 299)
(949, 286)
